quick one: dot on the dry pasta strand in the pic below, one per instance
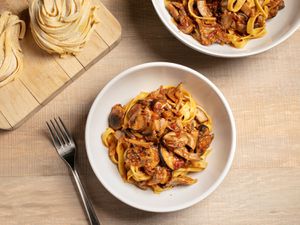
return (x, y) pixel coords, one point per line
(11, 58)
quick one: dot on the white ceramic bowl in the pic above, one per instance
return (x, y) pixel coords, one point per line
(279, 29)
(148, 77)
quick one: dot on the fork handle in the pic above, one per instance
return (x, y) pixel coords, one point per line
(86, 202)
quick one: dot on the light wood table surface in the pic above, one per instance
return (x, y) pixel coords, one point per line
(263, 185)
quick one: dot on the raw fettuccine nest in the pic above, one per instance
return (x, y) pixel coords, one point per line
(62, 26)
(11, 30)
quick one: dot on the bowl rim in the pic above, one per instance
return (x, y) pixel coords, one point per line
(216, 183)
(199, 48)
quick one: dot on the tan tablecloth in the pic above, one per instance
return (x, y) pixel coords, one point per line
(263, 186)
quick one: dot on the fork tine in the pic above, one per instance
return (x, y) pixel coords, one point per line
(58, 135)
(63, 134)
(68, 135)
(53, 136)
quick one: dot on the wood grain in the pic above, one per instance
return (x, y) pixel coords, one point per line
(4, 122)
(45, 75)
(16, 102)
(70, 65)
(41, 73)
(107, 28)
(263, 185)
(89, 56)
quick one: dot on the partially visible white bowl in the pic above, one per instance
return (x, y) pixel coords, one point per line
(148, 77)
(279, 29)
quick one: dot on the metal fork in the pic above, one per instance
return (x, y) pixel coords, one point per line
(66, 148)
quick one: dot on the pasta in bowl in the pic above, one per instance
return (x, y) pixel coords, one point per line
(158, 138)
(232, 22)
(273, 31)
(147, 78)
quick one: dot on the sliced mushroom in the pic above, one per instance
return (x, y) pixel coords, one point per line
(184, 22)
(159, 125)
(158, 105)
(142, 157)
(151, 159)
(174, 93)
(192, 139)
(170, 159)
(146, 130)
(184, 153)
(171, 94)
(137, 118)
(173, 11)
(173, 140)
(203, 8)
(226, 19)
(128, 133)
(116, 116)
(134, 111)
(247, 9)
(178, 140)
(140, 123)
(223, 5)
(176, 126)
(203, 130)
(142, 184)
(132, 157)
(201, 116)
(161, 176)
(274, 6)
(204, 140)
(186, 25)
(181, 180)
(140, 143)
(156, 125)
(167, 114)
(163, 126)
(211, 33)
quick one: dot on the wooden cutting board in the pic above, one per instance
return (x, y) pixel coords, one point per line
(43, 75)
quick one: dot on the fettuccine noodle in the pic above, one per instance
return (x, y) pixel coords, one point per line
(62, 26)
(11, 30)
(158, 138)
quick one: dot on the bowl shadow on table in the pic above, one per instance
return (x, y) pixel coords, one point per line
(159, 41)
